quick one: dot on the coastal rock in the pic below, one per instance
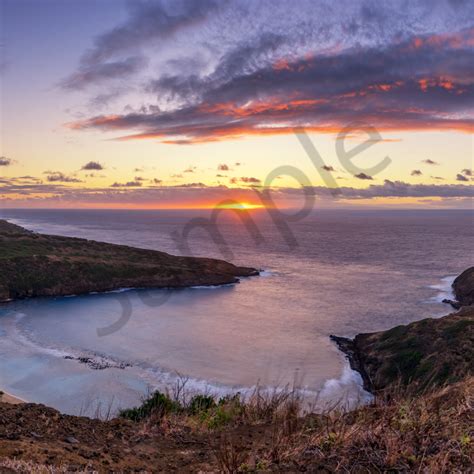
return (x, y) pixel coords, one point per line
(463, 287)
(348, 347)
(98, 363)
(453, 303)
(45, 265)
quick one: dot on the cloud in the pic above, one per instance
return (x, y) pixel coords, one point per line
(430, 162)
(148, 21)
(363, 176)
(416, 173)
(58, 177)
(92, 165)
(190, 169)
(328, 168)
(129, 184)
(97, 73)
(439, 178)
(423, 82)
(157, 181)
(461, 177)
(247, 180)
(53, 194)
(223, 167)
(4, 161)
(467, 172)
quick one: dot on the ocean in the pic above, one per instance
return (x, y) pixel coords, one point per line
(338, 272)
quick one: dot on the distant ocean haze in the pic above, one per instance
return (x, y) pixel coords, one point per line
(351, 272)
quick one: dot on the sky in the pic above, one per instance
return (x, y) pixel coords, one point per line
(186, 103)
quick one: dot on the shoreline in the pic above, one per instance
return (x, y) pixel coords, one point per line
(6, 397)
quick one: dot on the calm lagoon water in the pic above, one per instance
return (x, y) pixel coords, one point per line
(351, 272)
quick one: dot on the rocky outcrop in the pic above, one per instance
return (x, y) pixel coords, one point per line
(430, 352)
(420, 355)
(44, 265)
(463, 287)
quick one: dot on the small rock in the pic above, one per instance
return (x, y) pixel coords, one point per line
(71, 440)
(454, 304)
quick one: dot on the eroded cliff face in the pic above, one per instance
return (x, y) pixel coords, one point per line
(463, 287)
(43, 265)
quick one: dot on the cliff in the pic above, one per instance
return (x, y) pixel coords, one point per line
(463, 287)
(46, 265)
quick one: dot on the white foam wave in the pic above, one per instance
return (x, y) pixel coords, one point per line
(210, 287)
(346, 391)
(444, 288)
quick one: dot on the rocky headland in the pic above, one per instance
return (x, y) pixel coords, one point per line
(34, 264)
(426, 353)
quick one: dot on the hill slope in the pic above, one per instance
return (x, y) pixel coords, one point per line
(45, 265)
(426, 353)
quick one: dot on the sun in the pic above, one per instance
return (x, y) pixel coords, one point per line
(245, 206)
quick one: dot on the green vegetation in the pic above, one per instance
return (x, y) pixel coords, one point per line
(157, 405)
(44, 265)
(205, 409)
(426, 353)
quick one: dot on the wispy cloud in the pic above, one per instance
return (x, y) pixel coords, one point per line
(97, 73)
(58, 177)
(128, 184)
(148, 22)
(135, 193)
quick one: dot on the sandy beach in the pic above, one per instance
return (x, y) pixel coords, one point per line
(7, 398)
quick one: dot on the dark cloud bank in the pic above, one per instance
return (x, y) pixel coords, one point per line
(394, 69)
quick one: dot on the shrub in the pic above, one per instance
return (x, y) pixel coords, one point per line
(201, 403)
(158, 404)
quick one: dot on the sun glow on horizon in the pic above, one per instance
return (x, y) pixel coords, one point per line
(244, 206)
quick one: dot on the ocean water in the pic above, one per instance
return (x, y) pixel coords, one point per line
(345, 272)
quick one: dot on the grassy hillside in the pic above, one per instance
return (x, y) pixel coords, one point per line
(43, 265)
(426, 353)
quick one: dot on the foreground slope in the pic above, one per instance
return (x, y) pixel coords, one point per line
(432, 433)
(44, 265)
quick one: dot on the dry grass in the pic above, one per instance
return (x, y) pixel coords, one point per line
(28, 467)
(432, 433)
(266, 432)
